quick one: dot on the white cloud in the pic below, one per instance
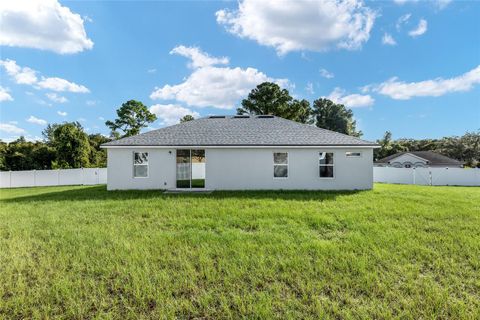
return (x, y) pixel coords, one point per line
(326, 74)
(153, 70)
(91, 102)
(170, 114)
(62, 113)
(439, 4)
(43, 102)
(21, 75)
(402, 20)
(59, 84)
(352, 100)
(13, 122)
(25, 75)
(82, 120)
(420, 29)
(388, 40)
(301, 25)
(218, 87)
(11, 128)
(36, 120)
(101, 118)
(56, 98)
(88, 19)
(400, 90)
(309, 88)
(42, 24)
(5, 95)
(198, 57)
(402, 2)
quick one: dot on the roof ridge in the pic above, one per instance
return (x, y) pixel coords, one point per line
(323, 129)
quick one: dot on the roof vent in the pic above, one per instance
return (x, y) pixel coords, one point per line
(267, 116)
(216, 117)
(241, 117)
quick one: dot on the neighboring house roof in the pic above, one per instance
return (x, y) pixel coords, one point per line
(240, 131)
(432, 158)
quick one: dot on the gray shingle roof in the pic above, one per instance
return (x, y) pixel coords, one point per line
(432, 158)
(236, 131)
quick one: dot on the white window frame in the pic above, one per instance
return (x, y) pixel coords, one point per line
(353, 154)
(143, 164)
(280, 164)
(326, 165)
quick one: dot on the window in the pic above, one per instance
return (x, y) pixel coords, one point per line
(353, 154)
(280, 165)
(140, 164)
(326, 164)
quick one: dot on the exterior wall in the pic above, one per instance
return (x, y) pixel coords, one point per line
(161, 169)
(245, 169)
(408, 159)
(242, 169)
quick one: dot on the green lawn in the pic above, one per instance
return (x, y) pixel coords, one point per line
(407, 252)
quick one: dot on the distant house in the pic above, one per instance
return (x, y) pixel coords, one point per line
(240, 153)
(415, 159)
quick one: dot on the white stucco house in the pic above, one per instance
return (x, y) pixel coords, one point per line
(418, 159)
(240, 153)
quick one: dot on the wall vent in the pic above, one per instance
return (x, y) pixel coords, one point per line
(241, 117)
(266, 116)
(217, 117)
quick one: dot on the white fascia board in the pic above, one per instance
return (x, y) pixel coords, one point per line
(240, 147)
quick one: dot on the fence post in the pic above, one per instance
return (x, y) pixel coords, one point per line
(34, 177)
(10, 179)
(58, 177)
(430, 175)
(414, 175)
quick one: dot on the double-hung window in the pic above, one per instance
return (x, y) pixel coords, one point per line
(140, 164)
(280, 165)
(326, 164)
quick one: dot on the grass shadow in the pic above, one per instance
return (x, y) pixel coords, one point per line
(98, 193)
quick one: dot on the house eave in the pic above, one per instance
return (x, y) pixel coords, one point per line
(374, 146)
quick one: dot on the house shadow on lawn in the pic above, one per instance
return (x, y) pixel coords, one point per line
(98, 193)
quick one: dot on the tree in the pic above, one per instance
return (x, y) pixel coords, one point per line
(21, 154)
(269, 98)
(388, 146)
(3, 151)
(186, 118)
(98, 156)
(47, 133)
(132, 116)
(300, 111)
(335, 117)
(72, 146)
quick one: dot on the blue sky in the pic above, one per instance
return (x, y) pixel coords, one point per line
(410, 67)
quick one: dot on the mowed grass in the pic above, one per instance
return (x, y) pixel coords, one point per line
(407, 252)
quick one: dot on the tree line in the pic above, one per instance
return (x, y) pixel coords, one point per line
(465, 148)
(67, 145)
(64, 146)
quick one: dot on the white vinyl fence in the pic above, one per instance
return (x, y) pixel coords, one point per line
(428, 176)
(62, 177)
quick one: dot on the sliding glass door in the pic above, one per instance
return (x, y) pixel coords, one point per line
(190, 168)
